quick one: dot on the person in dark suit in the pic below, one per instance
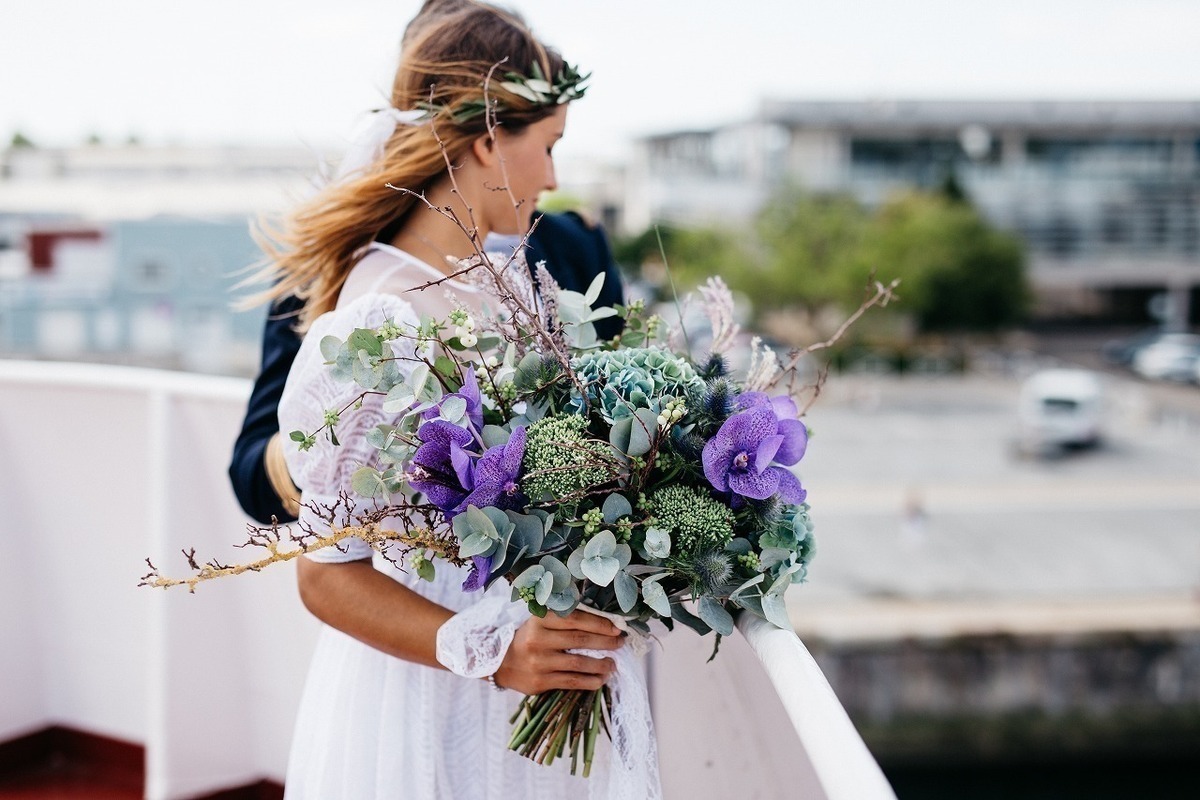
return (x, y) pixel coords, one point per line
(575, 252)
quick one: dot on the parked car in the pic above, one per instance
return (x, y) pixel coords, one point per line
(1172, 357)
(1121, 351)
(1059, 409)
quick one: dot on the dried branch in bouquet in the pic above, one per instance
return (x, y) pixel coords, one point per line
(880, 294)
(284, 544)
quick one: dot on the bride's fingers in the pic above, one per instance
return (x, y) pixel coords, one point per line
(574, 680)
(580, 640)
(573, 662)
(581, 620)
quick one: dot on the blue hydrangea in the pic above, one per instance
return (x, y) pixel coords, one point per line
(621, 381)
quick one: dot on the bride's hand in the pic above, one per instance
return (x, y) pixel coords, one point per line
(536, 660)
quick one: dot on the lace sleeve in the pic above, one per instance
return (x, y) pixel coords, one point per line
(323, 472)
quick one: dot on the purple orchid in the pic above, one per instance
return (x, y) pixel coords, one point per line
(742, 457)
(496, 475)
(469, 392)
(481, 568)
(442, 467)
(790, 426)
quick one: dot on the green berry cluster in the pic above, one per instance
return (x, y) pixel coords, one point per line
(592, 520)
(696, 521)
(749, 561)
(390, 330)
(673, 411)
(561, 460)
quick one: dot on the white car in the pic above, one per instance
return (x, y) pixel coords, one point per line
(1172, 357)
(1060, 408)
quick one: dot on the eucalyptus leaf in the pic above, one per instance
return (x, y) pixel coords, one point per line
(757, 579)
(739, 545)
(593, 291)
(529, 530)
(616, 506)
(686, 617)
(454, 409)
(657, 543)
(399, 398)
(501, 524)
(775, 610)
(366, 375)
(563, 600)
(632, 339)
(554, 567)
(528, 579)
(545, 585)
(642, 430)
(656, 597)
(620, 433)
(494, 436)
(715, 615)
(604, 312)
(575, 563)
(644, 569)
(330, 347)
(603, 543)
(626, 589)
(770, 556)
(418, 378)
(367, 482)
(600, 570)
(624, 554)
(477, 544)
(478, 521)
(751, 602)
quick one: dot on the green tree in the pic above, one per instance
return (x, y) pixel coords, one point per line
(956, 271)
(809, 244)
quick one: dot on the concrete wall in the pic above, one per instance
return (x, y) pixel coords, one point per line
(981, 696)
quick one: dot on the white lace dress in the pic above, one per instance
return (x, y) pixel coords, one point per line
(371, 726)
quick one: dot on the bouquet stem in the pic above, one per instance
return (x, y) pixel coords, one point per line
(545, 724)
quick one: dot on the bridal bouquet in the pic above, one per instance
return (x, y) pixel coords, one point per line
(625, 476)
(621, 475)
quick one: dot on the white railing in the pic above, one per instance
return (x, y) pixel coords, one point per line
(102, 466)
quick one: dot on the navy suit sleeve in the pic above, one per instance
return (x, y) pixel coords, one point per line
(575, 253)
(247, 471)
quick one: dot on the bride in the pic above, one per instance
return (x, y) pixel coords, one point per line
(406, 696)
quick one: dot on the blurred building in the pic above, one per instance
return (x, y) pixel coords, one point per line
(156, 292)
(130, 254)
(1105, 194)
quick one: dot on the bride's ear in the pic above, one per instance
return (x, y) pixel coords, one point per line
(485, 150)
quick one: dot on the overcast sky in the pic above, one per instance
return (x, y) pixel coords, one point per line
(299, 71)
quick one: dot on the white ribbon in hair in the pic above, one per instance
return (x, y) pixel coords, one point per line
(366, 146)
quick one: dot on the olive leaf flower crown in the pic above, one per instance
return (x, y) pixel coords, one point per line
(567, 85)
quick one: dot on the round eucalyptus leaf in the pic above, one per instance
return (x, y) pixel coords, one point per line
(330, 347)
(367, 482)
(600, 570)
(616, 506)
(656, 598)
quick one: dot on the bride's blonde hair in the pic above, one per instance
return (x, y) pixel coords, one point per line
(444, 67)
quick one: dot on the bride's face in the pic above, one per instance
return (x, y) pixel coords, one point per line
(526, 167)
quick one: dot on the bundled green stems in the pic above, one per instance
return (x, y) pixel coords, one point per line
(546, 723)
